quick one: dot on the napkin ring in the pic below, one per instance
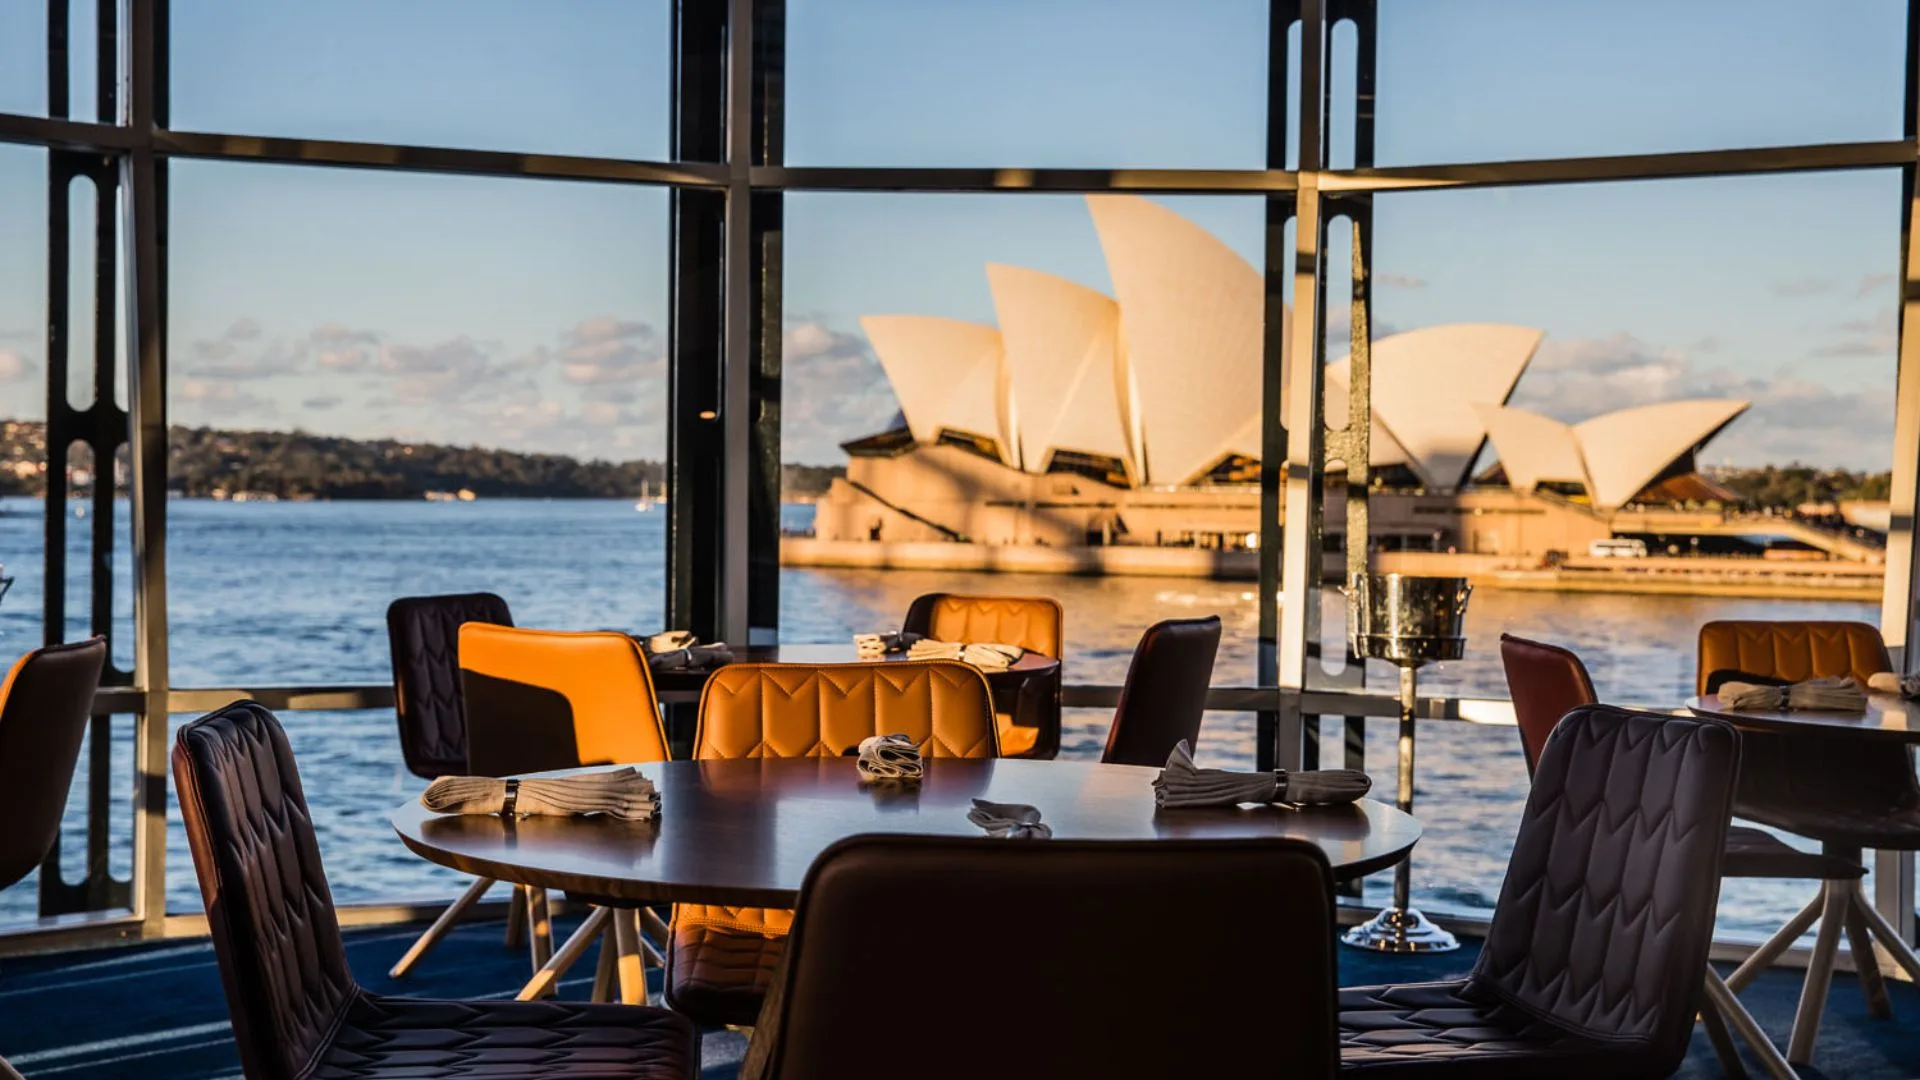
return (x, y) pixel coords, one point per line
(511, 800)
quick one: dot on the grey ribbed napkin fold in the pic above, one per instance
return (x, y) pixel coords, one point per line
(1831, 694)
(889, 757)
(693, 656)
(1184, 784)
(1012, 821)
(621, 793)
(1892, 682)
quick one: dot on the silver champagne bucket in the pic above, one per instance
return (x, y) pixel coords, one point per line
(1406, 619)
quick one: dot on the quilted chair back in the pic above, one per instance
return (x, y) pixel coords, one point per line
(1791, 651)
(1165, 692)
(44, 706)
(556, 699)
(268, 907)
(824, 710)
(1265, 950)
(1035, 623)
(1604, 922)
(1546, 683)
(424, 635)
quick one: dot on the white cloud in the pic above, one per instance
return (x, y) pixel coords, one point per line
(16, 368)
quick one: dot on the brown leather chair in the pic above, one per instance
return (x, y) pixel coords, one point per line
(720, 960)
(296, 1009)
(1030, 723)
(1548, 682)
(1791, 650)
(1248, 992)
(557, 699)
(423, 635)
(1165, 692)
(44, 707)
(1592, 965)
(1849, 794)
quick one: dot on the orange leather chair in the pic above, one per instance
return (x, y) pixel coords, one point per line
(555, 699)
(1791, 650)
(1035, 623)
(720, 960)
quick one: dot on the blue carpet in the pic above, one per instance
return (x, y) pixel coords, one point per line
(156, 1011)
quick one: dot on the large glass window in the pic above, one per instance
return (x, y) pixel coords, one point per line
(1153, 83)
(584, 77)
(1489, 80)
(23, 59)
(387, 385)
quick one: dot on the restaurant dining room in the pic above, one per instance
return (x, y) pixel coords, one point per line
(716, 538)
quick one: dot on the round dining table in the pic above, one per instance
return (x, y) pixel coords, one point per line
(744, 831)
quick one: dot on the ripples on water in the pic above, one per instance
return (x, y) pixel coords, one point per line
(296, 593)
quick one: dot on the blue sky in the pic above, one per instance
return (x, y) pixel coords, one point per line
(533, 314)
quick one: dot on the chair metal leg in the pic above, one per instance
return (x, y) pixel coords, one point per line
(1866, 964)
(1743, 1023)
(548, 977)
(1780, 942)
(1888, 937)
(606, 970)
(1722, 1041)
(517, 917)
(539, 928)
(1813, 992)
(632, 964)
(447, 921)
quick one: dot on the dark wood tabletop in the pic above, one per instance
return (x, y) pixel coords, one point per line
(744, 831)
(685, 685)
(1887, 717)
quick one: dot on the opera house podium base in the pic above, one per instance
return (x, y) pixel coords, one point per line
(1400, 930)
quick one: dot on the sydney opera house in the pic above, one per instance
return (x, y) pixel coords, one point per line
(1131, 421)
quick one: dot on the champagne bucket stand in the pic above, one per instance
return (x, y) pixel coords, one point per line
(1407, 621)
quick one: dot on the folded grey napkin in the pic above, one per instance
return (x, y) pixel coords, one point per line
(1892, 682)
(1012, 821)
(889, 757)
(1184, 784)
(621, 793)
(1831, 694)
(692, 656)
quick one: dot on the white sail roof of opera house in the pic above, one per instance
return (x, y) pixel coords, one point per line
(1164, 377)
(1614, 455)
(948, 375)
(1427, 386)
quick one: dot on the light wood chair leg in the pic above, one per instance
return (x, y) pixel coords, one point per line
(517, 917)
(1743, 1024)
(539, 928)
(1783, 939)
(447, 921)
(1866, 964)
(7, 1072)
(606, 971)
(546, 979)
(632, 962)
(1884, 931)
(1813, 992)
(1722, 1041)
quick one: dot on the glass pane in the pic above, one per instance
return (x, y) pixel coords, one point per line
(1001, 82)
(963, 391)
(23, 58)
(589, 77)
(1623, 411)
(1491, 80)
(387, 385)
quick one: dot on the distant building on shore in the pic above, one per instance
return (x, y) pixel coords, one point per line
(1088, 421)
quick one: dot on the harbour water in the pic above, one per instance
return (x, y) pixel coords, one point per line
(296, 593)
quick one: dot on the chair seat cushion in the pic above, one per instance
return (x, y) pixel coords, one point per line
(1016, 740)
(721, 960)
(507, 1040)
(1450, 1029)
(1755, 853)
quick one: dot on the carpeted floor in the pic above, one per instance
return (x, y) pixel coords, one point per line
(156, 1012)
